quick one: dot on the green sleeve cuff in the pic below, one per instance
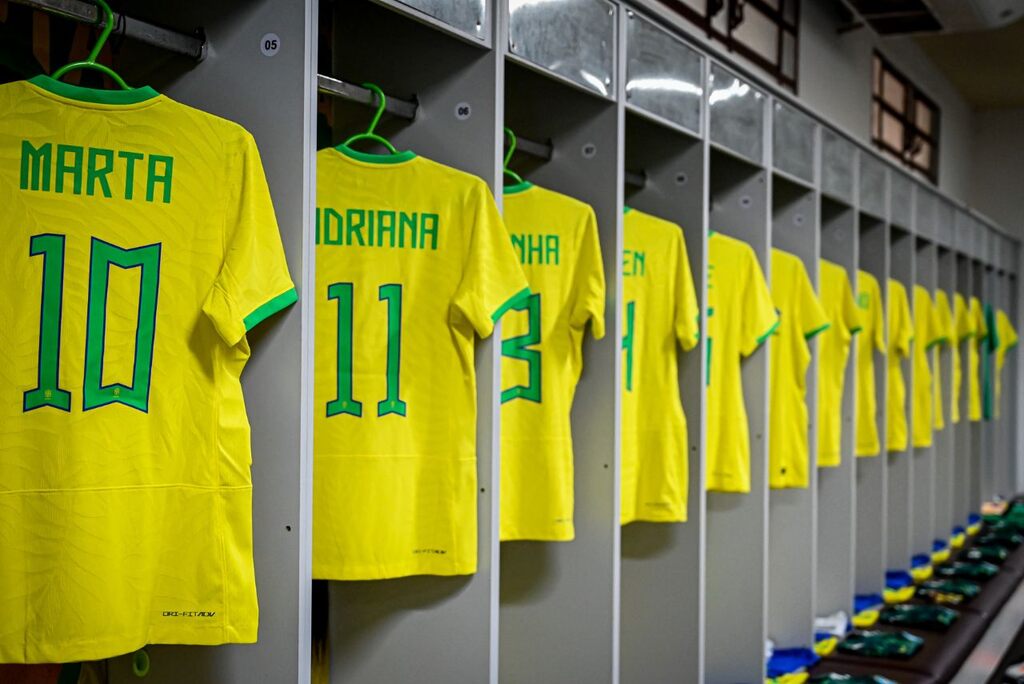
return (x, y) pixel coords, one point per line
(809, 335)
(771, 330)
(509, 303)
(855, 330)
(941, 340)
(269, 308)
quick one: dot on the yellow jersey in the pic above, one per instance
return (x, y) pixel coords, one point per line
(901, 334)
(833, 353)
(963, 329)
(134, 263)
(413, 263)
(555, 239)
(659, 312)
(740, 317)
(926, 335)
(801, 317)
(980, 331)
(1007, 336)
(872, 339)
(943, 319)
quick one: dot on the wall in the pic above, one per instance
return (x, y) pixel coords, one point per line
(997, 179)
(835, 82)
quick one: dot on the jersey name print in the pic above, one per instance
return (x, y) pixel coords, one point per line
(833, 355)
(394, 431)
(134, 263)
(555, 239)
(660, 314)
(872, 341)
(800, 319)
(740, 317)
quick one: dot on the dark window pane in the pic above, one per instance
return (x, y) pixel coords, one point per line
(893, 92)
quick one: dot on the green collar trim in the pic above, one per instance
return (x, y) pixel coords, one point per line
(626, 209)
(94, 95)
(517, 187)
(710, 233)
(937, 342)
(369, 158)
(814, 332)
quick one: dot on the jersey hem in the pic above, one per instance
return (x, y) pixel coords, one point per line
(381, 572)
(93, 95)
(523, 536)
(509, 303)
(667, 518)
(269, 308)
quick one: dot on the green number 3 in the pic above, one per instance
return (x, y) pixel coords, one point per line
(345, 403)
(519, 348)
(95, 394)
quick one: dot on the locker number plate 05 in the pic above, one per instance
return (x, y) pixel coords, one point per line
(270, 44)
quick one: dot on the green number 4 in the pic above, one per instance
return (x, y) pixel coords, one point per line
(519, 348)
(629, 342)
(95, 394)
(345, 403)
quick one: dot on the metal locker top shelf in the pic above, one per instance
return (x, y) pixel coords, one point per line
(664, 76)
(925, 215)
(901, 193)
(468, 20)
(873, 186)
(574, 40)
(963, 232)
(737, 115)
(838, 156)
(793, 143)
(945, 222)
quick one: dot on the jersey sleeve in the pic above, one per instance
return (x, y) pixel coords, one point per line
(813, 318)
(253, 282)
(978, 314)
(588, 285)
(963, 328)
(759, 316)
(901, 330)
(1008, 339)
(877, 312)
(849, 311)
(687, 313)
(942, 318)
(492, 279)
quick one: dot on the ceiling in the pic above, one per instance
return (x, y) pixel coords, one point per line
(987, 67)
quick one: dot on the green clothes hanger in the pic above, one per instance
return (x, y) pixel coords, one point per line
(508, 157)
(90, 62)
(369, 134)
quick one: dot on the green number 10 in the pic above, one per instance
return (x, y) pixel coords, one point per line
(345, 402)
(95, 394)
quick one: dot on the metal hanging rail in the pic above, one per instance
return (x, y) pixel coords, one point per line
(403, 109)
(636, 179)
(534, 149)
(192, 46)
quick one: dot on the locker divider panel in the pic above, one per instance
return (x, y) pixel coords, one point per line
(924, 457)
(276, 391)
(737, 524)
(663, 564)
(792, 513)
(561, 598)
(444, 628)
(900, 463)
(962, 430)
(946, 483)
(837, 487)
(872, 472)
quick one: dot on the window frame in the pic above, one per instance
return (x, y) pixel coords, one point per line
(912, 131)
(784, 30)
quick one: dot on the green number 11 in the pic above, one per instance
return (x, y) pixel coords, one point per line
(629, 342)
(345, 402)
